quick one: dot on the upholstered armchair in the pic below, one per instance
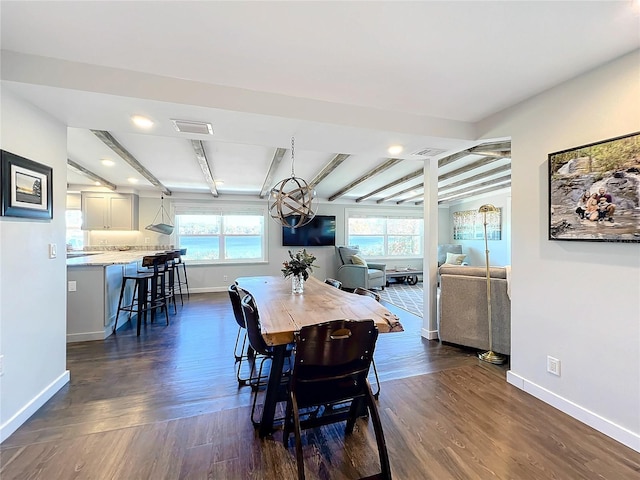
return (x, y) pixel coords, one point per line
(354, 271)
(452, 248)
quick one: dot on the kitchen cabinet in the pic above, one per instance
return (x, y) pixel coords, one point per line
(109, 211)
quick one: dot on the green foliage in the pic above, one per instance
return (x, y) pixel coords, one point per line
(606, 157)
(300, 263)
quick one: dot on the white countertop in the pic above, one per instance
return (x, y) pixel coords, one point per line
(109, 258)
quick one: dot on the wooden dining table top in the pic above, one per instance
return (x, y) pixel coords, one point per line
(282, 313)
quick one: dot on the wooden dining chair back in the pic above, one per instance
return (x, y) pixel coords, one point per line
(367, 293)
(330, 369)
(376, 297)
(333, 282)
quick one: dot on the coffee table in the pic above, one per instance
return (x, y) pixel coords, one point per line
(401, 275)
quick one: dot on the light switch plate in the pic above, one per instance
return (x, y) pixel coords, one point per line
(72, 286)
(53, 250)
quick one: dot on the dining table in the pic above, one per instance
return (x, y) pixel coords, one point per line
(283, 313)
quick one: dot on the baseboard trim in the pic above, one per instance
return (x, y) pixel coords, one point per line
(87, 336)
(208, 289)
(604, 426)
(429, 334)
(11, 425)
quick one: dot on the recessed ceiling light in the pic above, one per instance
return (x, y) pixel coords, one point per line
(142, 122)
(395, 149)
(132, 180)
(108, 163)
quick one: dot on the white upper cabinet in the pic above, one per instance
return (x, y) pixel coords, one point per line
(109, 211)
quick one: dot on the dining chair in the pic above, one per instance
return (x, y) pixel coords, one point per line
(257, 343)
(329, 383)
(235, 295)
(376, 297)
(333, 282)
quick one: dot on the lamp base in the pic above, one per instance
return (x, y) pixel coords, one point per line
(492, 357)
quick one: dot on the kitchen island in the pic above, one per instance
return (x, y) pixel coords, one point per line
(94, 280)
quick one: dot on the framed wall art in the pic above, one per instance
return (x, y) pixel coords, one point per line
(594, 191)
(469, 225)
(25, 187)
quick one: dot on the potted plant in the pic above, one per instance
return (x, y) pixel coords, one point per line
(298, 267)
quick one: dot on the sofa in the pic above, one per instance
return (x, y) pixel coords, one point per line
(462, 307)
(357, 272)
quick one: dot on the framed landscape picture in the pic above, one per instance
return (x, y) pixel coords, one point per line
(25, 187)
(594, 191)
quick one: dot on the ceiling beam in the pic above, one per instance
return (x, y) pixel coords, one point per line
(410, 198)
(467, 168)
(371, 173)
(404, 179)
(328, 168)
(268, 180)
(201, 156)
(401, 192)
(489, 149)
(472, 194)
(93, 176)
(113, 144)
(476, 189)
(475, 178)
(503, 148)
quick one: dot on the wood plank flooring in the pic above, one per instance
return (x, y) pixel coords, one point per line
(166, 405)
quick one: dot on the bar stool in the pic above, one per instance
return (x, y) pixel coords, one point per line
(143, 299)
(180, 265)
(164, 273)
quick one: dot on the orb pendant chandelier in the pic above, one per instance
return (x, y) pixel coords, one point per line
(292, 201)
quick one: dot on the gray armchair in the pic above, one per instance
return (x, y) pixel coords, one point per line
(371, 275)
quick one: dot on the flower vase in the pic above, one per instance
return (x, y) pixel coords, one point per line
(297, 284)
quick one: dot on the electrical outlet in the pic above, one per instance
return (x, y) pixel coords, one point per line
(71, 286)
(225, 278)
(146, 240)
(553, 366)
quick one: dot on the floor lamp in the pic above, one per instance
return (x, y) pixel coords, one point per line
(490, 356)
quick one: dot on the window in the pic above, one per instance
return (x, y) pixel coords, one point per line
(221, 236)
(385, 235)
(75, 235)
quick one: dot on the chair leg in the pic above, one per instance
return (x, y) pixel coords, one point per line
(298, 435)
(377, 428)
(256, 387)
(375, 373)
(235, 347)
(177, 281)
(115, 325)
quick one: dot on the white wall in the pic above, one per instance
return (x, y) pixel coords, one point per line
(32, 286)
(576, 301)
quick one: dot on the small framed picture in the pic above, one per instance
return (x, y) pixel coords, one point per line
(25, 187)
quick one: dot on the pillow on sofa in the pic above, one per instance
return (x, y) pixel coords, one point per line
(455, 258)
(358, 260)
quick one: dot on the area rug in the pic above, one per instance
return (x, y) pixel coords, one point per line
(406, 297)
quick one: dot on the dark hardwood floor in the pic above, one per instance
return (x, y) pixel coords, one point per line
(166, 405)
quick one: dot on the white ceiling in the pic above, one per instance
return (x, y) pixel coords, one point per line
(342, 77)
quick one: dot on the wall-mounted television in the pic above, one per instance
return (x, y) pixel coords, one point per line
(321, 231)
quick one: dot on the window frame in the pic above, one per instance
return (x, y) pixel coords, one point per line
(222, 211)
(386, 215)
